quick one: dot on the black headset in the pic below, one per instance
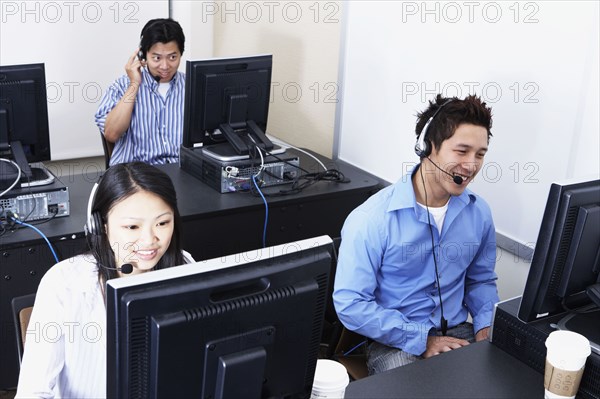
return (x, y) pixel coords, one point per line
(93, 228)
(423, 149)
(423, 146)
(142, 52)
(93, 224)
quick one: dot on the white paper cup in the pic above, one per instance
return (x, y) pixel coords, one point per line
(331, 380)
(566, 354)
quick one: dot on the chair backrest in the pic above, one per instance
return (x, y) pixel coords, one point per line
(351, 352)
(108, 149)
(22, 307)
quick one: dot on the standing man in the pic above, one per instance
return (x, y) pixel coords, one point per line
(418, 257)
(142, 111)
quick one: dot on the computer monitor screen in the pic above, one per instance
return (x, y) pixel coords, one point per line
(244, 325)
(566, 262)
(228, 100)
(24, 136)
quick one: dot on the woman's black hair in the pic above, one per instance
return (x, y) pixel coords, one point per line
(119, 182)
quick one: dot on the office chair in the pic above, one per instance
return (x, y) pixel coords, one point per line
(351, 352)
(22, 307)
(108, 149)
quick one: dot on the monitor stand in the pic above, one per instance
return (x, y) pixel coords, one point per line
(585, 324)
(15, 164)
(224, 152)
(40, 176)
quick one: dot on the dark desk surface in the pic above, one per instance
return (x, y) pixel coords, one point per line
(195, 199)
(479, 370)
(200, 199)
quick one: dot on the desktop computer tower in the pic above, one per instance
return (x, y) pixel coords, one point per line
(46, 198)
(232, 173)
(526, 342)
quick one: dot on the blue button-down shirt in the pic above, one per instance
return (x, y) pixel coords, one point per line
(385, 286)
(155, 133)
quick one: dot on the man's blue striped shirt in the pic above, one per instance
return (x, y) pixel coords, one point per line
(156, 130)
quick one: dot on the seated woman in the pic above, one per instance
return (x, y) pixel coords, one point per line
(133, 227)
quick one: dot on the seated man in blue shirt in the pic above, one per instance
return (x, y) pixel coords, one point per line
(142, 111)
(418, 257)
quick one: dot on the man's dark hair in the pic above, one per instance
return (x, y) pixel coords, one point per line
(161, 30)
(470, 110)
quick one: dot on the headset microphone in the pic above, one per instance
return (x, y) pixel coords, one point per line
(457, 179)
(127, 268)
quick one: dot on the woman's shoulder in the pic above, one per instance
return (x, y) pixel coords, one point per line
(72, 270)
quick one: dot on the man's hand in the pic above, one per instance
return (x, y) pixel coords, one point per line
(119, 118)
(132, 68)
(482, 334)
(439, 344)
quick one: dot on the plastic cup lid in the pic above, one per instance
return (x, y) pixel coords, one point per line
(330, 374)
(572, 343)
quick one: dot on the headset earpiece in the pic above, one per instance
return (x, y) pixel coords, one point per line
(93, 225)
(96, 226)
(423, 146)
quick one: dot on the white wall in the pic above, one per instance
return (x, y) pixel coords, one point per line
(512, 273)
(197, 26)
(535, 63)
(84, 46)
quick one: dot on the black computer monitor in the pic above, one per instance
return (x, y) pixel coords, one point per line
(24, 136)
(243, 325)
(565, 267)
(228, 100)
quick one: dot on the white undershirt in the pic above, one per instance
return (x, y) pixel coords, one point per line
(438, 213)
(163, 88)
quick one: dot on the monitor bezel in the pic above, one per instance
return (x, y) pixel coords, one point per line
(40, 139)
(265, 259)
(540, 297)
(195, 120)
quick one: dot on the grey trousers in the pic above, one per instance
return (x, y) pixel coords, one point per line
(381, 357)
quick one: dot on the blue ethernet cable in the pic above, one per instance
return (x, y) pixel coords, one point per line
(264, 240)
(17, 221)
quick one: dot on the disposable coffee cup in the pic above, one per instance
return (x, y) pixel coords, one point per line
(331, 380)
(566, 354)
